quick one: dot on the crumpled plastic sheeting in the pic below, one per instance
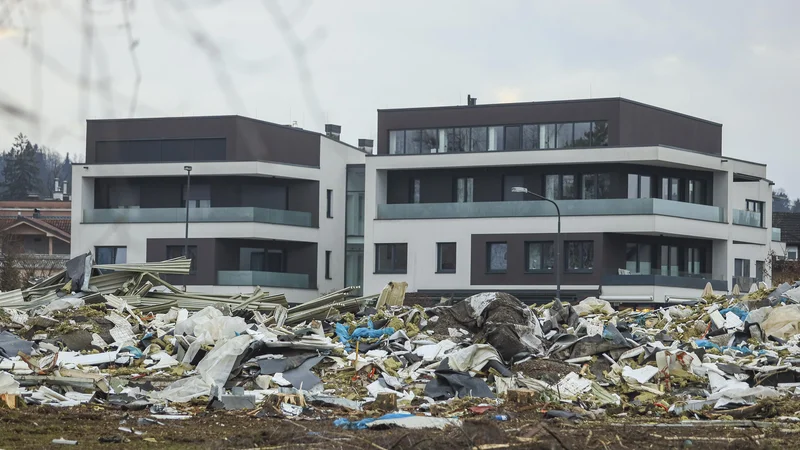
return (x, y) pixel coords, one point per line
(782, 322)
(213, 370)
(593, 305)
(364, 332)
(473, 358)
(211, 320)
(8, 385)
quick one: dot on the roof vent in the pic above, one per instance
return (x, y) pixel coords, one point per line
(471, 101)
(366, 145)
(333, 131)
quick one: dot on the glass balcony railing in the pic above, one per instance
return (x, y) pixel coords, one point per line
(178, 215)
(746, 218)
(599, 207)
(267, 279)
(681, 280)
(776, 234)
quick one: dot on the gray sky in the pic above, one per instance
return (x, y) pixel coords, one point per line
(733, 62)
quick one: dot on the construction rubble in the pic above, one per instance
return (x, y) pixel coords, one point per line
(119, 336)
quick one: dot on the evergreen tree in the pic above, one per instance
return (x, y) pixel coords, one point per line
(21, 171)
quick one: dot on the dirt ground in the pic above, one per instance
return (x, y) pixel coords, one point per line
(94, 428)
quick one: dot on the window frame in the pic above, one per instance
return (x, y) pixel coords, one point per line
(489, 246)
(328, 265)
(329, 206)
(439, 247)
(114, 254)
(638, 246)
(469, 190)
(758, 208)
(544, 245)
(415, 191)
(392, 246)
(581, 252)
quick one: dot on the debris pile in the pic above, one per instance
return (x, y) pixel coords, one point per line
(122, 337)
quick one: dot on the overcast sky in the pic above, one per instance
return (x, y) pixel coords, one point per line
(733, 62)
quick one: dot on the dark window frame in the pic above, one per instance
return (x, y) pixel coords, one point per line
(544, 245)
(639, 178)
(639, 261)
(415, 191)
(115, 249)
(439, 246)
(329, 207)
(465, 132)
(328, 265)
(758, 207)
(392, 248)
(489, 269)
(466, 189)
(581, 258)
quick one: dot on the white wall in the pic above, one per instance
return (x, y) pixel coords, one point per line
(659, 293)
(334, 157)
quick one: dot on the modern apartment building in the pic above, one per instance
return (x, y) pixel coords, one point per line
(651, 208)
(266, 202)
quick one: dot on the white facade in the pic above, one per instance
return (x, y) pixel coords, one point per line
(329, 236)
(730, 241)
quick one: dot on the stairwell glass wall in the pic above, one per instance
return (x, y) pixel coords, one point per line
(354, 228)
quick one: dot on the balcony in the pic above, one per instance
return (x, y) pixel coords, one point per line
(776, 234)
(266, 279)
(178, 215)
(747, 218)
(688, 281)
(600, 207)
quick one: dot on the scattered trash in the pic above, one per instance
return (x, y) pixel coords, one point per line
(64, 442)
(117, 332)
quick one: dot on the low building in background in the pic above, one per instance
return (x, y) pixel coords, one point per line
(651, 207)
(269, 205)
(40, 245)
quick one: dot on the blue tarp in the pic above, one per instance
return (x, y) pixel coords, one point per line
(367, 332)
(362, 424)
(705, 343)
(742, 314)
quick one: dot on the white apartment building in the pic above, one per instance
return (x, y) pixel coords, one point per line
(266, 202)
(650, 206)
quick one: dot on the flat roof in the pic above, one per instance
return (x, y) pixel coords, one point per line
(228, 116)
(549, 102)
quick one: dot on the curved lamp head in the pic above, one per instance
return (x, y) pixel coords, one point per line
(519, 189)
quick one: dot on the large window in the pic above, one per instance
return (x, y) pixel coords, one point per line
(539, 257)
(560, 187)
(600, 134)
(759, 271)
(671, 188)
(758, 208)
(123, 195)
(669, 261)
(583, 135)
(639, 258)
(596, 185)
(496, 260)
(530, 137)
(697, 192)
(478, 139)
(111, 255)
(391, 258)
(513, 138)
(792, 253)
(579, 256)
(355, 214)
(176, 251)
(693, 261)
(464, 188)
(446, 257)
(547, 136)
(499, 137)
(741, 267)
(564, 136)
(639, 186)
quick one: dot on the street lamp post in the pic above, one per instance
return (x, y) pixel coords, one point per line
(188, 170)
(524, 190)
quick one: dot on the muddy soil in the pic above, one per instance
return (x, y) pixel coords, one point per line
(547, 370)
(93, 428)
